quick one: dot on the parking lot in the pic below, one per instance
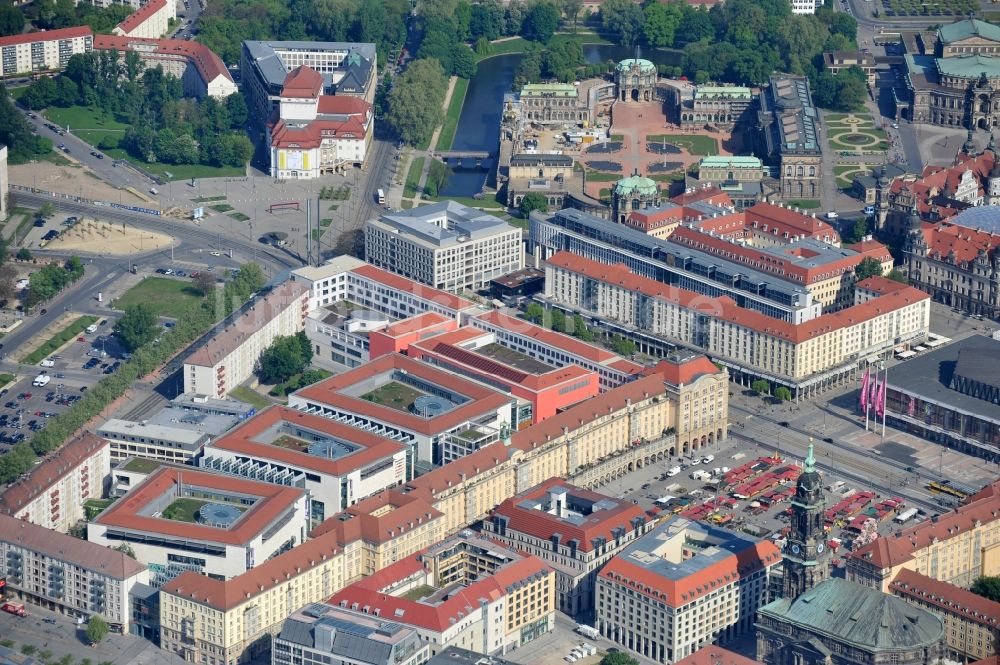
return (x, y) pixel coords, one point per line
(26, 407)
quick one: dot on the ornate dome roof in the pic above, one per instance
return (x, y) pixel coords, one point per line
(644, 66)
(636, 184)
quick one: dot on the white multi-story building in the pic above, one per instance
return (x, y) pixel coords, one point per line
(67, 574)
(53, 492)
(43, 51)
(171, 435)
(446, 245)
(322, 633)
(152, 20)
(179, 520)
(683, 585)
(230, 356)
(338, 465)
(201, 71)
(4, 181)
(804, 6)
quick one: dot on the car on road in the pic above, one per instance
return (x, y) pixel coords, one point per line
(39, 223)
(869, 210)
(61, 146)
(49, 621)
(215, 253)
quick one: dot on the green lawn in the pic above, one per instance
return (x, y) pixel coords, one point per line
(83, 117)
(221, 207)
(413, 177)
(94, 507)
(5, 379)
(179, 171)
(846, 173)
(694, 143)
(673, 176)
(395, 395)
(208, 199)
(418, 592)
(57, 340)
(251, 397)
(183, 510)
(95, 136)
(603, 176)
(803, 203)
(239, 216)
(447, 136)
(142, 465)
(167, 297)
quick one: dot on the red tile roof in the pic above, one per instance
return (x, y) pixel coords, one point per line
(872, 248)
(889, 551)
(46, 35)
(726, 309)
(225, 595)
(946, 598)
(208, 64)
(367, 594)
(965, 242)
(587, 411)
(684, 371)
(273, 501)
(712, 654)
(543, 525)
(302, 82)
(312, 134)
(344, 105)
(788, 221)
(441, 298)
(243, 440)
(623, 572)
(50, 471)
(713, 195)
(369, 521)
(264, 310)
(481, 399)
(880, 285)
(460, 470)
(141, 15)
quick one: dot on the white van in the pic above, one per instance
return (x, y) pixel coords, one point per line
(673, 471)
(48, 362)
(91, 329)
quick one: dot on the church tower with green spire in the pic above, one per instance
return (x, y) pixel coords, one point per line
(807, 561)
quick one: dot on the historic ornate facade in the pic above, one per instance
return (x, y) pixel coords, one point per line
(718, 106)
(787, 137)
(635, 80)
(554, 103)
(633, 193)
(807, 562)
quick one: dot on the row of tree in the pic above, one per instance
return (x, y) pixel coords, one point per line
(190, 326)
(165, 126)
(52, 278)
(557, 320)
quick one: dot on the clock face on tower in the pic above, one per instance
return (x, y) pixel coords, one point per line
(795, 549)
(819, 548)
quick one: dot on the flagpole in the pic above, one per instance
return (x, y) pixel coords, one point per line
(885, 397)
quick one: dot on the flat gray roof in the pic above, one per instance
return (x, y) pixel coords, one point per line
(267, 60)
(189, 438)
(444, 224)
(212, 424)
(929, 376)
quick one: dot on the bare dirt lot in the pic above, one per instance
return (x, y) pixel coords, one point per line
(73, 180)
(101, 237)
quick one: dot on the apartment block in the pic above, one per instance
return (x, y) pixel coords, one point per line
(320, 633)
(186, 520)
(52, 493)
(804, 357)
(971, 622)
(201, 71)
(465, 591)
(544, 388)
(49, 50)
(228, 357)
(65, 574)
(441, 416)
(150, 21)
(576, 530)
(683, 585)
(336, 464)
(445, 245)
(956, 547)
(171, 435)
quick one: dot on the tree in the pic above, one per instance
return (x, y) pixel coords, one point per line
(97, 629)
(46, 210)
(40, 94)
(660, 24)
(11, 20)
(623, 346)
(856, 231)
(761, 387)
(898, 275)
(534, 312)
(533, 201)
(782, 393)
(205, 282)
(558, 320)
(868, 267)
(571, 10)
(541, 22)
(126, 549)
(487, 20)
(137, 327)
(23, 254)
(437, 177)
(987, 586)
(286, 357)
(415, 101)
(618, 658)
(8, 282)
(623, 18)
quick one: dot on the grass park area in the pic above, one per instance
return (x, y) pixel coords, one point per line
(809, 204)
(251, 397)
(695, 144)
(854, 132)
(394, 395)
(239, 216)
(167, 297)
(5, 379)
(413, 178)
(603, 176)
(92, 125)
(846, 173)
(183, 510)
(57, 340)
(447, 135)
(418, 592)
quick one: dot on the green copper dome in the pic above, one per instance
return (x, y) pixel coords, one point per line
(636, 184)
(644, 65)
